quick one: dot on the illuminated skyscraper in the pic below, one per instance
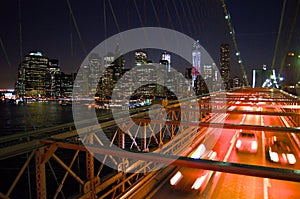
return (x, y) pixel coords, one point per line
(140, 58)
(32, 75)
(119, 59)
(196, 58)
(53, 79)
(225, 64)
(108, 59)
(167, 57)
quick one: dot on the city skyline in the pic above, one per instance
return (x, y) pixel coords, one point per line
(69, 38)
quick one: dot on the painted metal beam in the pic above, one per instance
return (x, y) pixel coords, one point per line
(227, 167)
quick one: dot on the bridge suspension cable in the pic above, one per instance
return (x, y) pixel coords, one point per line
(290, 36)
(227, 17)
(114, 16)
(279, 33)
(76, 27)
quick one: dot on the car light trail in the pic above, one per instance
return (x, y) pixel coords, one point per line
(253, 145)
(197, 184)
(274, 156)
(176, 178)
(198, 152)
(238, 144)
(291, 158)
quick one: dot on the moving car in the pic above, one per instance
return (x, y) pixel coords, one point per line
(279, 151)
(246, 142)
(187, 179)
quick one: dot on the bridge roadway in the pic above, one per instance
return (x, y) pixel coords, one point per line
(226, 185)
(57, 137)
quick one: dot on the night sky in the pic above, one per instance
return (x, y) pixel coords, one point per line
(47, 26)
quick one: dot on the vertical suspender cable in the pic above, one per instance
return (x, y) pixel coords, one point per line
(235, 43)
(169, 15)
(128, 13)
(186, 19)
(104, 19)
(145, 12)
(114, 16)
(177, 13)
(20, 32)
(179, 21)
(5, 53)
(138, 13)
(76, 27)
(279, 33)
(71, 34)
(104, 22)
(141, 20)
(155, 13)
(192, 20)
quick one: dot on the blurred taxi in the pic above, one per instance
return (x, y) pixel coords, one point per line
(246, 142)
(280, 152)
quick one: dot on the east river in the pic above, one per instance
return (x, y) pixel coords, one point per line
(25, 117)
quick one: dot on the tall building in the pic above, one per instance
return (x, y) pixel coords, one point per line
(32, 75)
(147, 77)
(108, 59)
(291, 69)
(225, 64)
(119, 58)
(140, 58)
(39, 77)
(208, 76)
(236, 82)
(52, 82)
(196, 59)
(166, 59)
(95, 71)
(67, 82)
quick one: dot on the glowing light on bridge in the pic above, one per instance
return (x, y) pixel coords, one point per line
(176, 178)
(199, 152)
(197, 184)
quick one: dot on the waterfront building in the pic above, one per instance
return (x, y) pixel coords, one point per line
(31, 80)
(41, 77)
(67, 82)
(109, 80)
(113, 70)
(53, 76)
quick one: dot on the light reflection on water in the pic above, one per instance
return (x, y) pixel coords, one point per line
(25, 117)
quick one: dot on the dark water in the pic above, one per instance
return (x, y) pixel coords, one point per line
(24, 117)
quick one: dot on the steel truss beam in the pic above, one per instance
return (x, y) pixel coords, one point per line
(228, 167)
